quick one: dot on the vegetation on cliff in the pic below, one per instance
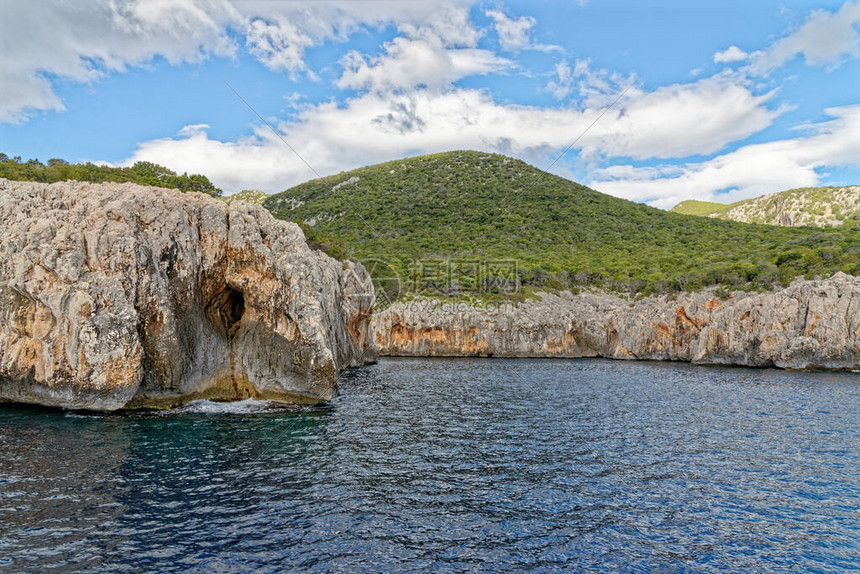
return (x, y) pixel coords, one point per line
(814, 206)
(250, 195)
(703, 208)
(142, 172)
(469, 211)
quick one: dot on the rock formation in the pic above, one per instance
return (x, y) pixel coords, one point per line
(812, 206)
(118, 295)
(810, 324)
(817, 206)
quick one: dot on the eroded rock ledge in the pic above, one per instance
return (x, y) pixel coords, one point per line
(810, 324)
(118, 295)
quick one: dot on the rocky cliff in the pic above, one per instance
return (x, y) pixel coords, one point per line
(812, 206)
(117, 295)
(810, 324)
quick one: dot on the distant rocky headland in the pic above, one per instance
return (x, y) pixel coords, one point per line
(808, 325)
(120, 295)
(806, 206)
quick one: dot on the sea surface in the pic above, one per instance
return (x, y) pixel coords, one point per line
(452, 465)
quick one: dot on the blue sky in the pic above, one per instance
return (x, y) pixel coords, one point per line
(715, 101)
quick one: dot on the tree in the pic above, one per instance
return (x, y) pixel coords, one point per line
(149, 173)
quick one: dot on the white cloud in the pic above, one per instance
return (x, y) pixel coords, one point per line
(826, 38)
(432, 55)
(597, 88)
(410, 63)
(750, 171)
(279, 33)
(670, 121)
(513, 33)
(81, 41)
(562, 85)
(193, 129)
(22, 90)
(279, 45)
(379, 125)
(732, 54)
(448, 22)
(257, 162)
(682, 119)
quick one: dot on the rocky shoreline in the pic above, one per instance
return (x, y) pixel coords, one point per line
(123, 296)
(119, 295)
(808, 325)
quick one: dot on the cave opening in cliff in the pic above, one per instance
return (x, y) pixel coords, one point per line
(226, 309)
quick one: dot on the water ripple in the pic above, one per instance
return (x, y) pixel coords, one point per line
(449, 466)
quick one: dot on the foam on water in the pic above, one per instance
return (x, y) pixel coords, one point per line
(247, 406)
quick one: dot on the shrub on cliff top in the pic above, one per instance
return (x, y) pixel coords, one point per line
(142, 172)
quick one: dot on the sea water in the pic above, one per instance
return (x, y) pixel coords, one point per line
(451, 465)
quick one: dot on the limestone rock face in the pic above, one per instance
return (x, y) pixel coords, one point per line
(810, 324)
(115, 295)
(820, 207)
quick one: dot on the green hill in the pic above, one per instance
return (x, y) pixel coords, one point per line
(701, 208)
(812, 206)
(454, 219)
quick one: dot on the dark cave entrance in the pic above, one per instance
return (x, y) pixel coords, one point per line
(226, 309)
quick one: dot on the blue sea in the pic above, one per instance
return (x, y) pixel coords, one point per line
(454, 465)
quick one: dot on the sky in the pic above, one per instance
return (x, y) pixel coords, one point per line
(656, 102)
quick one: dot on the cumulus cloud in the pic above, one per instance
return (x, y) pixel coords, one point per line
(81, 41)
(731, 54)
(747, 172)
(257, 162)
(410, 63)
(682, 119)
(279, 44)
(432, 55)
(826, 38)
(447, 22)
(279, 33)
(376, 126)
(24, 89)
(671, 121)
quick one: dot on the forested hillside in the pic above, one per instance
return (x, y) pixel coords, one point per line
(402, 216)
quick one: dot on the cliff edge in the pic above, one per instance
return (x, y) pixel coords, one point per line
(119, 295)
(810, 324)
